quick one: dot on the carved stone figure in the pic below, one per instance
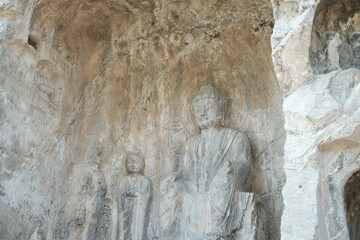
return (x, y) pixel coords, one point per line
(134, 199)
(354, 39)
(202, 200)
(92, 196)
(333, 53)
(104, 231)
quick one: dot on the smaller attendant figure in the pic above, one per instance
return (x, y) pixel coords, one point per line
(91, 197)
(135, 193)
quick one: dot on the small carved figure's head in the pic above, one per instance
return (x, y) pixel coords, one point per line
(134, 163)
(209, 107)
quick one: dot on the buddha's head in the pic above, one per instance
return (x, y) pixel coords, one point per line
(209, 107)
(134, 163)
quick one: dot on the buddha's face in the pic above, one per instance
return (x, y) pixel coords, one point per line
(134, 164)
(207, 112)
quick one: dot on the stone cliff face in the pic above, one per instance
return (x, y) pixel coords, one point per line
(87, 81)
(315, 54)
(84, 82)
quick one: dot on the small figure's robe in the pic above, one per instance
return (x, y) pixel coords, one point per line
(93, 191)
(133, 207)
(202, 201)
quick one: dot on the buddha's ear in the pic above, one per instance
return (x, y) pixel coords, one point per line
(222, 120)
(142, 169)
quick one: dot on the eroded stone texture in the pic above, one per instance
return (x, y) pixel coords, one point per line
(321, 114)
(91, 198)
(335, 36)
(119, 76)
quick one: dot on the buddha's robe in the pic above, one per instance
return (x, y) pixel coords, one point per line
(202, 201)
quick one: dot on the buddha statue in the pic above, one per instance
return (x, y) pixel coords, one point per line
(201, 200)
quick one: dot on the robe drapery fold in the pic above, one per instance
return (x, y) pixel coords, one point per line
(216, 167)
(133, 207)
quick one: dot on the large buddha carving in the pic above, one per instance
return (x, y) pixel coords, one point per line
(202, 199)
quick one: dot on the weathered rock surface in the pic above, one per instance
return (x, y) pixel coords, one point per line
(314, 56)
(83, 82)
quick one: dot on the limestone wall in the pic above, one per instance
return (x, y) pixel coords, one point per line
(84, 82)
(321, 113)
(87, 81)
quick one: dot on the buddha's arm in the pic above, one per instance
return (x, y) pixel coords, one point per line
(240, 155)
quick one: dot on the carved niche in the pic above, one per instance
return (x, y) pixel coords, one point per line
(335, 38)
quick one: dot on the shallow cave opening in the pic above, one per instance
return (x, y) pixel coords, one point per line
(32, 42)
(335, 38)
(352, 201)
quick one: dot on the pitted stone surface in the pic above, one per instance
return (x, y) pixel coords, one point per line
(314, 48)
(119, 76)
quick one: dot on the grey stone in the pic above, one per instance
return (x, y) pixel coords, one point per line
(203, 200)
(113, 76)
(135, 194)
